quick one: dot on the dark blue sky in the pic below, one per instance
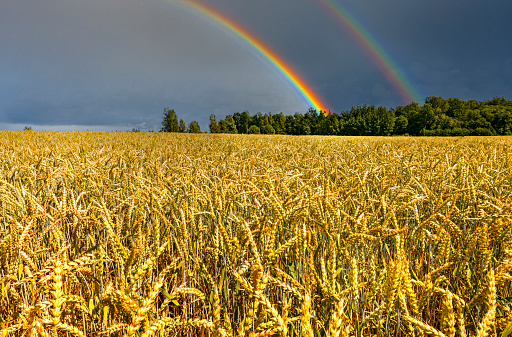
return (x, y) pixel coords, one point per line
(116, 64)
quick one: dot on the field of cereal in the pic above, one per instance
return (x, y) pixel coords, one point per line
(157, 234)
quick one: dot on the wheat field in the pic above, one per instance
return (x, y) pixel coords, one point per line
(156, 234)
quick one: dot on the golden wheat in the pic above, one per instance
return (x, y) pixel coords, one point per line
(157, 234)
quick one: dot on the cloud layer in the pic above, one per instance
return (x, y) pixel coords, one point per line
(116, 64)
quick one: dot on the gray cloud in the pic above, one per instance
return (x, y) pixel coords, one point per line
(109, 64)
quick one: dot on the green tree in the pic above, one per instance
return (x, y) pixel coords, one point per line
(257, 120)
(400, 125)
(414, 118)
(475, 120)
(170, 121)
(182, 126)
(300, 125)
(387, 121)
(438, 103)
(194, 127)
(355, 121)
(242, 121)
(457, 108)
(245, 119)
(503, 121)
(214, 126)
(279, 123)
(227, 125)
(254, 130)
(267, 129)
(329, 125)
(445, 122)
(310, 122)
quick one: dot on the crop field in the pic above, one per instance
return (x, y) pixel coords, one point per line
(158, 234)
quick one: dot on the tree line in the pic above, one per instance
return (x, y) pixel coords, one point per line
(436, 117)
(170, 123)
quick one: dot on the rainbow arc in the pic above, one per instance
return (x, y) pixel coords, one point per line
(374, 51)
(379, 57)
(292, 76)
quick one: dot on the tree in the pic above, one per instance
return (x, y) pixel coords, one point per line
(413, 115)
(267, 129)
(279, 123)
(401, 125)
(194, 127)
(437, 117)
(456, 108)
(474, 121)
(170, 121)
(503, 121)
(254, 130)
(438, 103)
(214, 127)
(329, 125)
(242, 121)
(245, 119)
(227, 125)
(300, 125)
(313, 120)
(182, 126)
(387, 121)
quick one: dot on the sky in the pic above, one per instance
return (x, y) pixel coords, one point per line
(115, 65)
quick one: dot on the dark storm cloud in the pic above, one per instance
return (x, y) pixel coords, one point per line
(117, 63)
(449, 48)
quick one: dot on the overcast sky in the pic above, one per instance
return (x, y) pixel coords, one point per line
(116, 64)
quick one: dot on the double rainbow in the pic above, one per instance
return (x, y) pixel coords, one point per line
(360, 35)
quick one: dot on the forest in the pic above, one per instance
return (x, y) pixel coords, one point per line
(436, 117)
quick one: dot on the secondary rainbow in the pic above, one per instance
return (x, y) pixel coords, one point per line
(290, 75)
(374, 51)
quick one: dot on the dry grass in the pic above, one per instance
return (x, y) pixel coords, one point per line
(195, 235)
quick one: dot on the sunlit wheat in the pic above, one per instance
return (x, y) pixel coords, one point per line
(133, 234)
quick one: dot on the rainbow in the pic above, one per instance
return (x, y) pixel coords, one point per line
(289, 74)
(374, 51)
